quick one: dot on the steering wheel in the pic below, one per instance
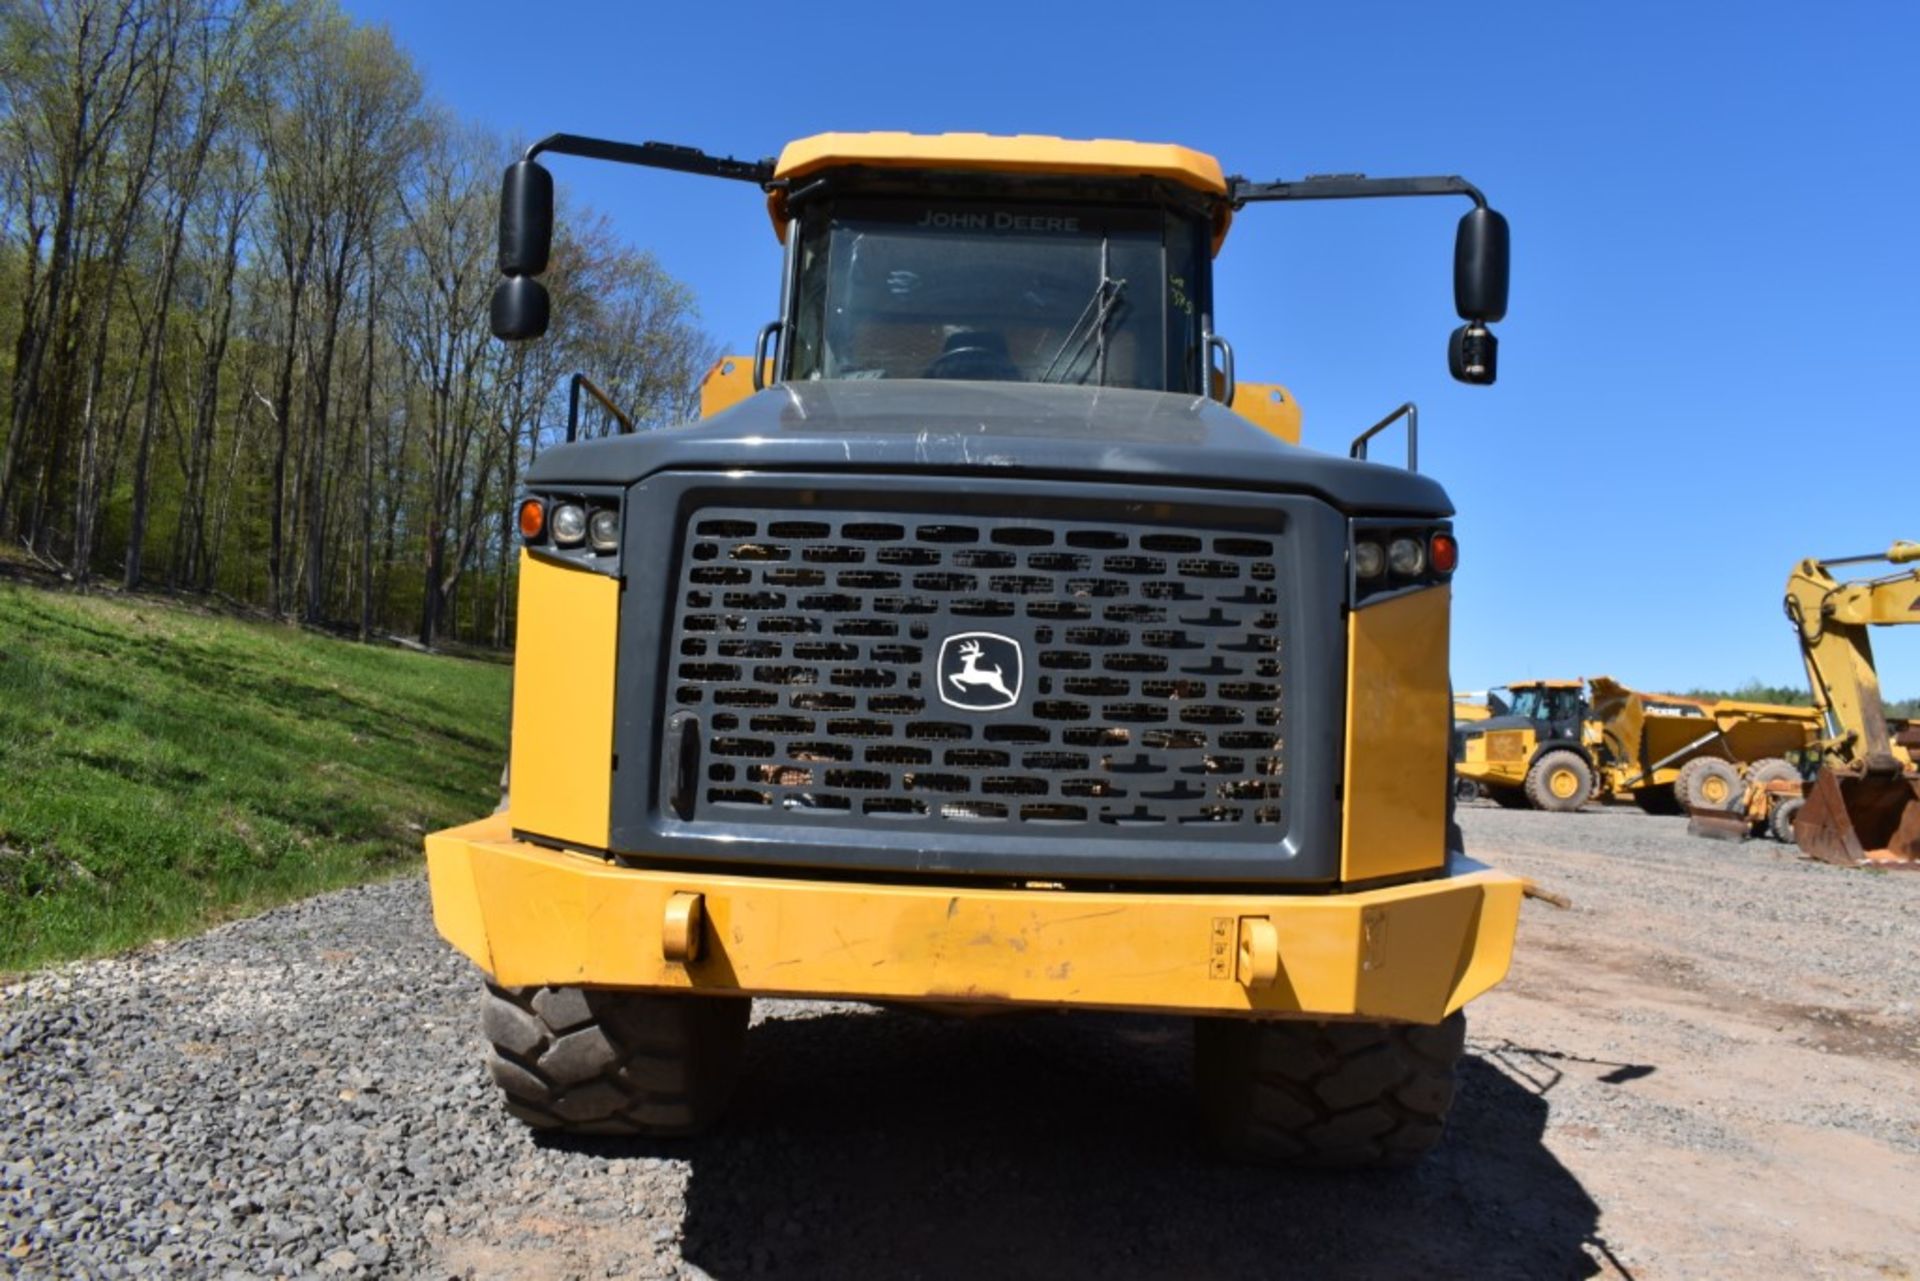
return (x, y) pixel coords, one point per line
(977, 363)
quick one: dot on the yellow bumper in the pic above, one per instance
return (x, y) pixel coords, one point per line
(528, 915)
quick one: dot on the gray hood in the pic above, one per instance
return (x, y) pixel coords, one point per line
(1007, 429)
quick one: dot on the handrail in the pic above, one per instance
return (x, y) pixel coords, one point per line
(1408, 411)
(573, 407)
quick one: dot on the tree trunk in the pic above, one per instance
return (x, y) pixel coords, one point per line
(137, 520)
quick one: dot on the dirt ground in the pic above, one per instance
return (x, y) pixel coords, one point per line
(1726, 1042)
(1708, 1067)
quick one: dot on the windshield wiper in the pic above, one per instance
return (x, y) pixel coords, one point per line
(1094, 317)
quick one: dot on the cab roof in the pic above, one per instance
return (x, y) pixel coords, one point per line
(1036, 154)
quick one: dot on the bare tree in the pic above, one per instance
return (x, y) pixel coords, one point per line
(244, 274)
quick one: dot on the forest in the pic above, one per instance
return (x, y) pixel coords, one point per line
(245, 261)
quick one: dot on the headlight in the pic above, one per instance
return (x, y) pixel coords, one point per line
(603, 530)
(568, 524)
(1407, 556)
(1368, 560)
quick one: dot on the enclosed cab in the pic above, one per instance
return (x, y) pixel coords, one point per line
(976, 652)
(1534, 750)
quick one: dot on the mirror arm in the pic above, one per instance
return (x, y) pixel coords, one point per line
(655, 155)
(1350, 186)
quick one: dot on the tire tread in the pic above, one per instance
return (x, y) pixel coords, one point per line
(1327, 1095)
(587, 1061)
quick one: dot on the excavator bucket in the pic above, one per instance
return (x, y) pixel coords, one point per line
(1861, 819)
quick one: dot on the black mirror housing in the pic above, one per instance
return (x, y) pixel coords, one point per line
(1473, 355)
(519, 309)
(526, 219)
(1480, 267)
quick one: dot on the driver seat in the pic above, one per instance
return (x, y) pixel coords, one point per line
(978, 355)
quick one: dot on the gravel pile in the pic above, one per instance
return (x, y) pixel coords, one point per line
(301, 1094)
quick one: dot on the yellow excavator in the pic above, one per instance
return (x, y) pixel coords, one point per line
(1863, 808)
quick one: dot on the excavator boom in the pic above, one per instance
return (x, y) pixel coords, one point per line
(1864, 808)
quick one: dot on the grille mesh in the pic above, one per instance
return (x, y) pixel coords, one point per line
(806, 646)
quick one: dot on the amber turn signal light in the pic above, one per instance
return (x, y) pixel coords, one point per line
(1445, 554)
(533, 518)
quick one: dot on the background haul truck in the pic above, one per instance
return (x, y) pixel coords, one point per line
(984, 657)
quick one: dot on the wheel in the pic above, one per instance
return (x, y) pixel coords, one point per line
(1465, 789)
(1709, 783)
(1559, 781)
(1509, 798)
(1656, 800)
(591, 1061)
(1772, 769)
(1780, 822)
(1326, 1094)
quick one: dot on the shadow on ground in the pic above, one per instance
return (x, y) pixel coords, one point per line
(897, 1145)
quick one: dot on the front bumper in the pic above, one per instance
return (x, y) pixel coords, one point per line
(529, 916)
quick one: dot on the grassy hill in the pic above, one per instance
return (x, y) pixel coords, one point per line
(163, 768)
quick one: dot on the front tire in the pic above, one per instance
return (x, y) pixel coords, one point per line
(1780, 822)
(1560, 782)
(1326, 1095)
(594, 1061)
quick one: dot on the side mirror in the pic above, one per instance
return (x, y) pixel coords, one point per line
(520, 305)
(1481, 258)
(519, 309)
(526, 219)
(1472, 355)
(1480, 263)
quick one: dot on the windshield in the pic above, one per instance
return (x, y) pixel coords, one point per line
(999, 291)
(1541, 704)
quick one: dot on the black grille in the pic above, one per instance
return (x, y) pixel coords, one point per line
(808, 650)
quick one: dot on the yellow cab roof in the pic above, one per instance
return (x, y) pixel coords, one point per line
(998, 153)
(1544, 684)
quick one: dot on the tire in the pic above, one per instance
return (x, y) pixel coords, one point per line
(1559, 782)
(1510, 798)
(1772, 769)
(592, 1061)
(1707, 782)
(1465, 789)
(1657, 800)
(1780, 822)
(1326, 1095)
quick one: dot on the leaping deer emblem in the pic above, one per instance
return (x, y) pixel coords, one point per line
(974, 674)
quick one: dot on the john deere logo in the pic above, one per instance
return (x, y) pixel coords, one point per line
(979, 671)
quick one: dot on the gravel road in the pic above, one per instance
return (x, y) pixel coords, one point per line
(1706, 1067)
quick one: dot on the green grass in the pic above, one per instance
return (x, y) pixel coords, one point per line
(162, 769)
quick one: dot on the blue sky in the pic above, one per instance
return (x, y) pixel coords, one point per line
(1708, 366)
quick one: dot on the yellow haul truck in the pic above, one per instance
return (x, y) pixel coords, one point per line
(1560, 743)
(985, 657)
